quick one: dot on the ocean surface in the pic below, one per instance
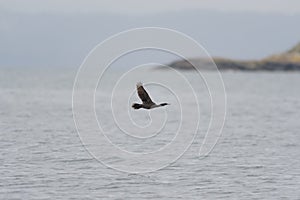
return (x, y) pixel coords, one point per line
(42, 156)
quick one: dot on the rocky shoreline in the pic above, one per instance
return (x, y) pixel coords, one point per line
(287, 61)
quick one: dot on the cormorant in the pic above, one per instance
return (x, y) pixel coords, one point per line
(147, 102)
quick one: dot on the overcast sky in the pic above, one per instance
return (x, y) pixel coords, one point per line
(150, 6)
(62, 32)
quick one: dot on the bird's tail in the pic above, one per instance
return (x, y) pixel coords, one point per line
(137, 106)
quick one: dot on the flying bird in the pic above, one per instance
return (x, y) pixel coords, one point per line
(144, 96)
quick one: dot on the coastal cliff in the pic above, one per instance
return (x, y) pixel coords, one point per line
(287, 61)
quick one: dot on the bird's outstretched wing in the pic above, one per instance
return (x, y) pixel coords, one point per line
(144, 96)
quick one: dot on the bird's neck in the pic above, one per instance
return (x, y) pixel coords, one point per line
(155, 106)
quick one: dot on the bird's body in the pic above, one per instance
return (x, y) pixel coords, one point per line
(144, 96)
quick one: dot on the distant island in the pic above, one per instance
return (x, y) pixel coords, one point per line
(287, 61)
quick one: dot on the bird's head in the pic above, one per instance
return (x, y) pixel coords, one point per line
(164, 104)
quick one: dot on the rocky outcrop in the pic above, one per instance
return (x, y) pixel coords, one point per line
(287, 61)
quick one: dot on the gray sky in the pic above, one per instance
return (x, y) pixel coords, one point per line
(150, 6)
(62, 32)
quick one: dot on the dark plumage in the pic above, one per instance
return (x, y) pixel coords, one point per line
(144, 96)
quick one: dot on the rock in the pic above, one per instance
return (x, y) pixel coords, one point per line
(287, 61)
